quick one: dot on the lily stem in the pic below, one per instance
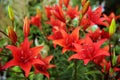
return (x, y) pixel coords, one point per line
(75, 70)
(12, 23)
(4, 33)
(110, 51)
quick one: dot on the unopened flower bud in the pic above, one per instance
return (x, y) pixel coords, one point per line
(38, 12)
(112, 27)
(83, 2)
(26, 27)
(0, 49)
(118, 59)
(85, 7)
(12, 34)
(10, 12)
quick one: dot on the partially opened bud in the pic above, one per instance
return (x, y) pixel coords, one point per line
(10, 12)
(60, 2)
(12, 34)
(85, 7)
(118, 59)
(112, 27)
(0, 49)
(38, 12)
(83, 2)
(26, 27)
(66, 2)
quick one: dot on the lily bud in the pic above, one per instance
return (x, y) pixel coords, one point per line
(26, 27)
(118, 59)
(38, 12)
(112, 27)
(83, 2)
(12, 34)
(0, 49)
(10, 12)
(85, 7)
(66, 2)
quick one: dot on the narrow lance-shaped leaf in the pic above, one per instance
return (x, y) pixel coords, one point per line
(112, 27)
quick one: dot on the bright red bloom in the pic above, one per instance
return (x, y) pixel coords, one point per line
(24, 56)
(72, 12)
(94, 35)
(56, 25)
(26, 27)
(104, 34)
(66, 2)
(85, 22)
(89, 51)
(55, 36)
(110, 17)
(48, 11)
(40, 68)
(36, 20)
(106, 67)
(95, 16)
(58, 13)
(68, 40)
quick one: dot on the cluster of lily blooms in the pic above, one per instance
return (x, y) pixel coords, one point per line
(65, 34)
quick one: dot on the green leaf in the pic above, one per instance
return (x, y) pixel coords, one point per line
(16, 69)
(75, 22)
(38, 77)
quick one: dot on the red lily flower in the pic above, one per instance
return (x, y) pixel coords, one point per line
(85, 22)
(110, 17)
(40, 68)
(56, 25)
(89, 51)
(48, 11)
(68, 40)
(24, 56)
(104, 34)
(36, 20)
(106, 67)
(94, 35)
(58, 13)
(66, 2)
(55, 36)
(95, 16)
(72, 12)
